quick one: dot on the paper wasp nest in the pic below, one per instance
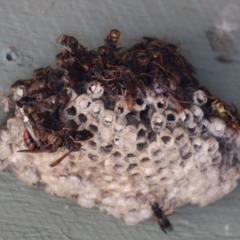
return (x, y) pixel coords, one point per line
(119, 129)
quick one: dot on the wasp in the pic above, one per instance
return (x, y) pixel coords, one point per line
(79, 51)
(29, 141)
(129, 85)
(234, 121)
(95, 57)
(37, 95)
(51, 142)
(109, 52)
(82, 135)
(26, 83)
(220, 108)
(112, 38)
(40, 73)
(131, 92)
(161, 218)
(71, 143)
(71, 42)
(65, 59)
(40, 121)
(47, 143)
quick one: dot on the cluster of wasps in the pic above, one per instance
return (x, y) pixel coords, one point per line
(146, 70)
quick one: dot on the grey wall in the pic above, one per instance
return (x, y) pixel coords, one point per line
(209, 33)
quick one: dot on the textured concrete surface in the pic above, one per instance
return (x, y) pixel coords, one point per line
(209, 35)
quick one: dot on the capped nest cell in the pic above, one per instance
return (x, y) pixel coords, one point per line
(130, 131)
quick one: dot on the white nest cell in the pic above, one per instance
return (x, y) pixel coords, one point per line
(172, 154)
(172, 118)
(92, 145)
(121, 108)
(86, 202)
(94, 89)
(227, 186)
(229, 173)
(15, 126)
(185, 150)
(185, 117)
(199, 97)
(134, 168)
(92, 126)
(91, 171)
(142, 146)
(121, 178)
(140, 104)
(217, 127)
(132, 218)
(203, 160)
(83, 104)
(212, 145)
(154, 151)
(211, 194)
(119, 125)
(105, 134)
(188, 164)
(165, 139)
(198, 144)
(177, 171)
(158, 122)
(70, 112)
(142, 133)
(5, 136)
(212, 172)
(161, 162)
(150, 176)
(97, 109)
(131, 157)
(150, 171)
(129, 138)
(216, 157)
(181, 136)
(205, 128)
(151, 95)
(193, 130)
(144, 161)
(106, 149)
(160, 103)
(167, 182)
(107, 119)
(120, 167)
(164, 172)
(197, 113)
(117, 155)
(94, 158)
(136, 216)
(5, 150)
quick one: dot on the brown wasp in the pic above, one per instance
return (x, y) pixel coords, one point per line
(48, 142)
(112, 38)
(65, 59)
(79, 51)
(71, 42)
(26, 83)
(29, 141)
(51, 142)
(71, 142)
